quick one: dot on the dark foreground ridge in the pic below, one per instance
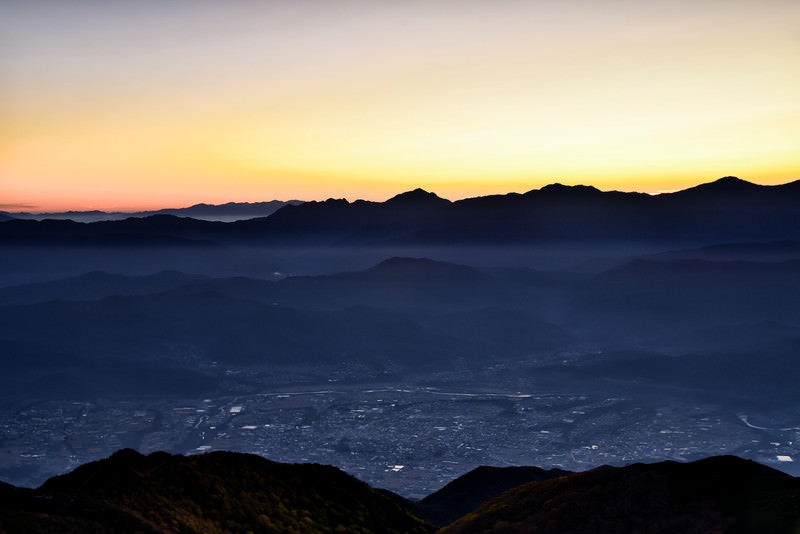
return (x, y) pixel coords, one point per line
(235, 492)
(467, 492)
(717, 494)
(215, 492)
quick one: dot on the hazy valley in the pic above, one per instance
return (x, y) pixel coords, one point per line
(410, 341)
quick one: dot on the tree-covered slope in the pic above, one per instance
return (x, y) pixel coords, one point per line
(215, 492)
(721, 494)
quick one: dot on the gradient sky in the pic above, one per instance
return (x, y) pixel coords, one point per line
(131, 105)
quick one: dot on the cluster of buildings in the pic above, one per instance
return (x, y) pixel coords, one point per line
(408, 439)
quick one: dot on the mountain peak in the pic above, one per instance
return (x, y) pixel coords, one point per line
(726, 184)
(418, 197)
(731, 183)
(161, 492)
(568, 189)
(661, 497)
(731, 180)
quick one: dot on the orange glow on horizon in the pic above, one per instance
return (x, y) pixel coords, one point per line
(171, 105)
(109, 199)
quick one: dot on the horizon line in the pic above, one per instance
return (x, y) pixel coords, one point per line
(133, 211)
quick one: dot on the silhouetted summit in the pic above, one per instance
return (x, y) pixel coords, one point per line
(720, 494)
(567, 190)
(727, 188)
(417, 198)
(733, 181)
(726, 210)
(215, 492)
(465, 493)
(728, 183)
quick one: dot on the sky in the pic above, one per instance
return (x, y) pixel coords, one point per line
(123, 105)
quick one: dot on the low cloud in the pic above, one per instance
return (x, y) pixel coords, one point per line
(6, 207)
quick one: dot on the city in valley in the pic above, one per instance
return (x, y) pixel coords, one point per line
(409, 435)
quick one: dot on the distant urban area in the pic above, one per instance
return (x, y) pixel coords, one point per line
(411, 437)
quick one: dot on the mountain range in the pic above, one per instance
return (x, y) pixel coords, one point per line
(726, 210)
(234, 492)
(230, 211)
(110, 334)
(503, 328)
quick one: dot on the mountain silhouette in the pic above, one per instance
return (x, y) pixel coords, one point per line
(227, 211)
(215, 492)
(154, 231)
(236, 492)
(727, 210)
(419, 199)
(468, 491)
(726, 187)
(719, 494)
(566, 191)
(238, 210)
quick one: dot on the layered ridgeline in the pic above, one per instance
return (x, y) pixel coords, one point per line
(728, 209)
(230, 211)
(232, 492)
(101, 334)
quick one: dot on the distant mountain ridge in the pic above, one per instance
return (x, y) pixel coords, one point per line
(95, 285)
(415, 313)
(223, 212)
(726, 210)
